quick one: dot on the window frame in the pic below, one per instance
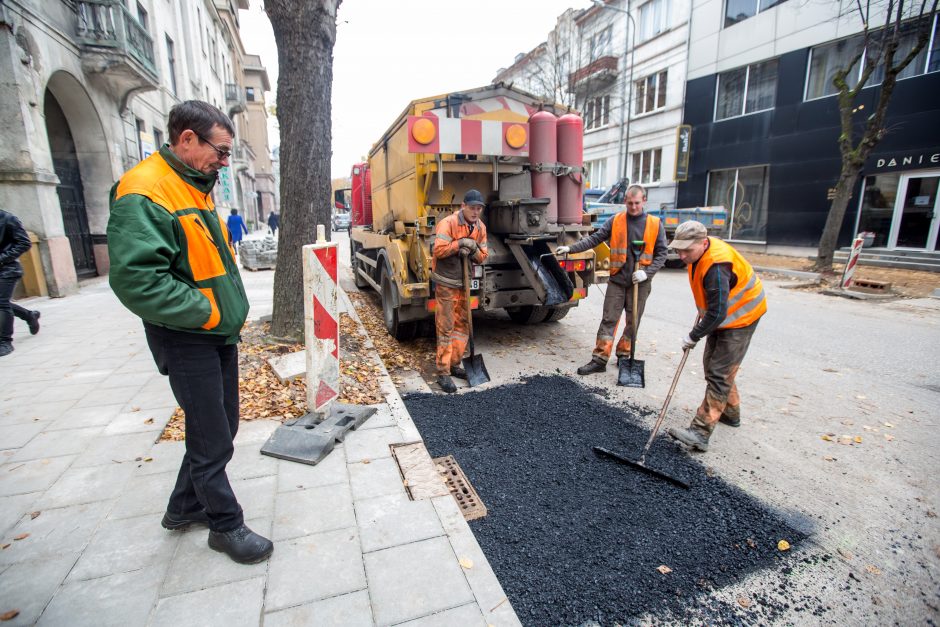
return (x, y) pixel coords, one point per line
(642, 92)
(730, 213)
(757, 11)
(597, 113)
(662, 26)
(655, 156)
(747, 84)
(171, 62)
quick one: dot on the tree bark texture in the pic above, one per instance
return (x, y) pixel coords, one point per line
(305, 32)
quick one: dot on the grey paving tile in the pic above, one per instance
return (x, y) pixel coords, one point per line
(295, 476)
(331, 564)
(165, 456)
(394, 519)
(17, 436)
(314, 510)
(57, 443)
(120, 379)
(139, 422)
(376, 478)
(255, 432)
(12, 508)
(31, 476)
(381, 418)
(120, 546)
(64, 392)
(248, 462)
(465, 616)
(118, 600)
(79, 417)
(87, 377)
(371, 444)
(53, 532)
(86, 485)
(46, 413)
(107, 449)
(108, 396)
(415, 580)
(28, 587)
(349, 610)
(233, 604)
(144, 494)
(152, 395)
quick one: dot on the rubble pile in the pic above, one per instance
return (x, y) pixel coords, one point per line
(258, 254)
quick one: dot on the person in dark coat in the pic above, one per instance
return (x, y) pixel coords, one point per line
(13, 243)
(274, 221)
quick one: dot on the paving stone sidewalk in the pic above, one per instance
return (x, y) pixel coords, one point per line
(84, 483)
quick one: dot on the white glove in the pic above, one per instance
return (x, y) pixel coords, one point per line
(639, 276)
(688, 343)
(563, 250)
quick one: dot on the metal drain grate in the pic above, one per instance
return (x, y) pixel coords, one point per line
(467, 498)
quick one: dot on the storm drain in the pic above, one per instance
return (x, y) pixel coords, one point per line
(467, 498)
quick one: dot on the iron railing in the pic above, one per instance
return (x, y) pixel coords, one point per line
(108, 24)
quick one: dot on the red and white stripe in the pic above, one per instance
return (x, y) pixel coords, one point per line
(321, 325)
(851, 263)
(467, 137)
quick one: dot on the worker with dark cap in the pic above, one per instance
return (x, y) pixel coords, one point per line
(730, 301)
(634, 224)
(460, 235)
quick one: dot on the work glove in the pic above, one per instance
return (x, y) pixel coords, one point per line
(469, 244)
(639, 276)
(563, 250)
(688, 343)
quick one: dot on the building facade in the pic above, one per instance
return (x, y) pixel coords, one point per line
(765, 126)
(256, 84)
(89, 86)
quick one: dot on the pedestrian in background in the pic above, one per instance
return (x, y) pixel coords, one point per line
(633, 224)
(236, 228)
(172, 265)
(460, 235)
(14, 242)
(730, 300)
(274, 221)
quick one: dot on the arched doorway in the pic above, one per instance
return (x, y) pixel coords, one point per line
(70, 190)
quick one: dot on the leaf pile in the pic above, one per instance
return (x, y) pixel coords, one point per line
(417, 355)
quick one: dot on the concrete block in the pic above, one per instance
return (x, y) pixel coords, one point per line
(331, 470)
(256, 496)
(108, 396)
(53, 532)
(466, 616)
(144, 494)
(299, 444)
(16, 412)
(12, 508)
(349, 610)
(149, 421)
(28, 587)
(381, 418)
(415, 580)
(109, 449)
(31, 476)
(393, 520)
(331, 564)
(377, 478)
(236, 604)
(248, 463)
(18, 435)
(79, 417)
(289, 366)
(255, 431)
(120, 546)
(371, 443)
(57, 443)
(121, 379)
(314, 510)
(87, 485)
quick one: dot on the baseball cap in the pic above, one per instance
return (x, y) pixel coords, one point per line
(687, 233)
(473, 197)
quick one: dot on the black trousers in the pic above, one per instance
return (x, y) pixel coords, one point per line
(9, 309)
(204, 380)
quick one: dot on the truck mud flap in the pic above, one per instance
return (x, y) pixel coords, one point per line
(540, 265)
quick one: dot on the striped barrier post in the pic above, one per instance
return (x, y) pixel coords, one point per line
(321, 323)
(851, 264)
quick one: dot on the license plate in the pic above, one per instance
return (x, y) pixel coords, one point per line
(474, 284)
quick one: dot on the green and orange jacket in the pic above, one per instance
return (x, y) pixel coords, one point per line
(171, 260)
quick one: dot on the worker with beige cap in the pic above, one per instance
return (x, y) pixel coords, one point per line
(730, 301)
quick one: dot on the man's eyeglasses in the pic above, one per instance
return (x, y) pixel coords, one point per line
(223, 154)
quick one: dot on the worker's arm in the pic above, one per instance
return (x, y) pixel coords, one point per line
(479, 236)
(717, 285)
(600, 235)
(659, 253)
(20, 243)
(445, 244)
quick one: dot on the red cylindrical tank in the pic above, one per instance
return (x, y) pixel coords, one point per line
(361, 195)
(543, 147)
(570, 153)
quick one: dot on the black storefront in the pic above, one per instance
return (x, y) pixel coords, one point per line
(774, 169)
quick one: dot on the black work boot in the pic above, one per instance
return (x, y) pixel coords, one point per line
(241, 544)
(178, 522)
(695, 437)
(457, 371)
(446, 384)
(6, 348)
(33, 322)
(592, 367)
(731, 416)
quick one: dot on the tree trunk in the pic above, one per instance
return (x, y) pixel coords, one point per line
(830, 235)
(305, 31)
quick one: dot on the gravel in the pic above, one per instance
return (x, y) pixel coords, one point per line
(577, 539)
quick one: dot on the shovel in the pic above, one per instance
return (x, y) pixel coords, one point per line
(472, 365)
(633, 372)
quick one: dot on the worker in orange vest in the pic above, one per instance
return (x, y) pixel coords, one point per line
(461, 234)
(730, 300)
(634, 224)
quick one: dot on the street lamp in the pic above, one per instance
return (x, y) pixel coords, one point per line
(624, 99)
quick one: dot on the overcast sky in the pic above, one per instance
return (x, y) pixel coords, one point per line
(389, 52)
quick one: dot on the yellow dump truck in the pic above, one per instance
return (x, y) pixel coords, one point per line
(418, 172)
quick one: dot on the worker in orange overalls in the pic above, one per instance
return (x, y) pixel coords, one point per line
(634, 224)
(730, 300)
(459, 235)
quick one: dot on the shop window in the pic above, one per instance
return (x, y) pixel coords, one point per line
(739, 10)
(651, 93)
(746, 90)
(877, 206)
(654, 18)
(647, 166)
(743, 192)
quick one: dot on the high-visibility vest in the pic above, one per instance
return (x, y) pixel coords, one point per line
(746, 301)
(619, 244)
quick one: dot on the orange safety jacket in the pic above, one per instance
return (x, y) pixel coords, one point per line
(446, 264)
(746, 301)
(619, 244)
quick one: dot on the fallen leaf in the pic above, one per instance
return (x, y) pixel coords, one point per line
(848, 423)
(874, 570)
(889, 425)
(148, 421)
(888, 437)
(148, 459)
(931, 513)
(861, 397)
(4, 546)
(22, 536)
(34, 515)
(858, 439)
(830, 370)
(366, 460)
(751, 543)
(664, 569)
(827, 438)
(9, 615)
(745, 603)
(783, 545)
(847, 555)
(135, 408)
(829, 458)
(466, 562)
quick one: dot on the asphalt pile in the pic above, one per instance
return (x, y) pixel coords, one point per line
(575, 538)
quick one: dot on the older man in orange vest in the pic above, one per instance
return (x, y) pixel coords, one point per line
(631, 225)
(730, 301)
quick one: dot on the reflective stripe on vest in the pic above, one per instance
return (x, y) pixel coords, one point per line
(619, 244)
(746, 300)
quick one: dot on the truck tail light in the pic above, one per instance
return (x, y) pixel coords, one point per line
(423, 131)
(574, 265)
(579, 293)
(718, 221)
(515, 136)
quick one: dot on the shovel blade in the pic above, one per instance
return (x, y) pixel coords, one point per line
(476, 370)
(632, 373)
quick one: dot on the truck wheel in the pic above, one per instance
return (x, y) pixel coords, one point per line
(399, 330)
(557, 313)
(355, 264)
(675, 263)
(528, 314)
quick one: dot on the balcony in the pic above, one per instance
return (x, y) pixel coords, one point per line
(115, 47)
(601, 71)
(234, 98)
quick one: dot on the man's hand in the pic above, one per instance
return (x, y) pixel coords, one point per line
(563, 250)
(639, 276)
(469, 244)
(463, 252)
(688, 343)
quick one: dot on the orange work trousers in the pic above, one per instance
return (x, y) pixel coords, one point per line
(450, 319)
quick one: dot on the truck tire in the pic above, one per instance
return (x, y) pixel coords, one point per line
(557, 313)
(402, 331)
(355, 264)
(528, 314)
(674, 263)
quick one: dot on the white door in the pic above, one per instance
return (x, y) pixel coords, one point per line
(917, 212)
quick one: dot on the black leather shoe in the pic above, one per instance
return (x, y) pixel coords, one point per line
(592, 367)
(241, 544)
(458, 372)
(176, 522)
(6, 348)
(446, 384)
(33, 322)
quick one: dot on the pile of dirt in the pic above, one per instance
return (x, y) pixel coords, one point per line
(575, 538)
